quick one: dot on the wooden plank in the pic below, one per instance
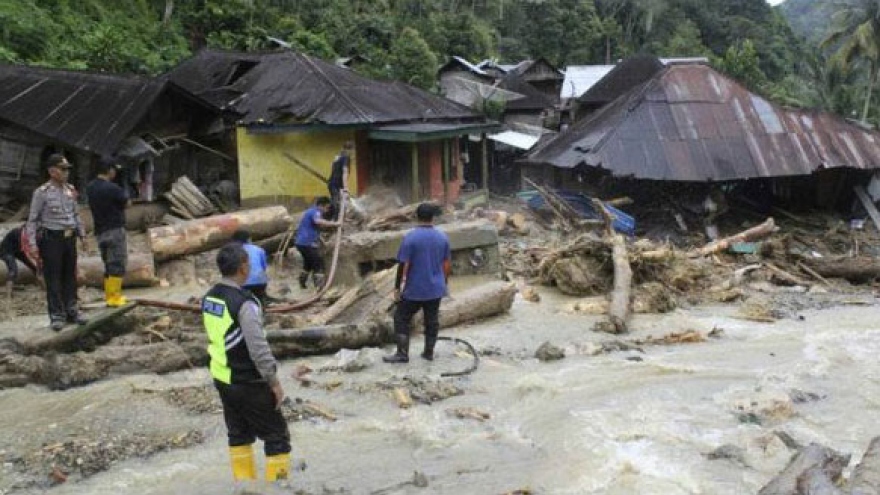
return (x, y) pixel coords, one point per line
(869, 205)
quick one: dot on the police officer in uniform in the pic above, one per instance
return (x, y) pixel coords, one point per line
(244, 370)
(53, 227)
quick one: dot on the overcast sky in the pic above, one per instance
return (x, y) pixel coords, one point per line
(775, 2)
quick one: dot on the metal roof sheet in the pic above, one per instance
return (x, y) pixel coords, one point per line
(580, 78)
(288, 87)
(92, 112)
(515, 139)
(691, 123)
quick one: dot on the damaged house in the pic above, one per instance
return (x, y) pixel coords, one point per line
(295, 112)
(687, 126)
(157, 130)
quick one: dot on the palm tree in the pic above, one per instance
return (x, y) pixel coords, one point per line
(856, 33)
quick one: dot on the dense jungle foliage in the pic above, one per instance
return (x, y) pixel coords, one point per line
(409, 39)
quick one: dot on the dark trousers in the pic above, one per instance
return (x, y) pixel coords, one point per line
(405, 311)
(58, 253)
(250, 413)
(335, 197)
(114, 252)
(312, 260)
(12, 266)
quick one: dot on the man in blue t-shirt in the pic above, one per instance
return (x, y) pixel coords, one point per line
(308, 239)
(424, 263)
(258, 279)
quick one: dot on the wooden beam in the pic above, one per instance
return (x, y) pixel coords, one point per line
(416, 196)
(485, 161)
(445, 170)
(869, 205)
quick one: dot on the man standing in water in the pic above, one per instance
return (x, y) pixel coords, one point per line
(53, 227)
(244, 370)
(424, 264)
(338, 181)
(108, 201)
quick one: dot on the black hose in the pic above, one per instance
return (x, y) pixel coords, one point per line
(472, 367)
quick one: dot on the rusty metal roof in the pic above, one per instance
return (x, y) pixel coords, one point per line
(92, 112)
(691, 123)
(290, 88)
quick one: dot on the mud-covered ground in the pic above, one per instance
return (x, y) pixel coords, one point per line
(609, 407)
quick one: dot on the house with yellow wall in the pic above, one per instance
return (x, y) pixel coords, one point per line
(293, 113)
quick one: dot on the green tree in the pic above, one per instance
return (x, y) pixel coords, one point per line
(741, 63)
(856, 27)
(411, 60)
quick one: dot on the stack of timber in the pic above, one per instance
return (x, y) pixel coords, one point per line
(187, 201)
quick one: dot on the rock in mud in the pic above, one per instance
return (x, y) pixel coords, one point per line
(728, 451)
(549, 352)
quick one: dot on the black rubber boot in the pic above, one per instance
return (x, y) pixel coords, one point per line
(402, 354)
(318, 279)
(428, 353)
(303, 279)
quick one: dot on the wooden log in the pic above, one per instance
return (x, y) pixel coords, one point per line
(755, 233)
(865, 478)
(858, 269)
(813, 274)
(868, 205)
(204, 234)
(813, 455)
(478, 303)
(72, 338)
(347, 299)
(621, 297)
(140, 271)
(788, 277)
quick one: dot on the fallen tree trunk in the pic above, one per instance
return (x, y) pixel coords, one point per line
(753, 234)
(621, 297)
(865, 478)
(97, 330)
(473, 305)
(208, 233)
(58, 370)
(139, 271)
(813, 455)
(858, 270)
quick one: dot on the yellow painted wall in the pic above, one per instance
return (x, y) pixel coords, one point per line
(267, 176)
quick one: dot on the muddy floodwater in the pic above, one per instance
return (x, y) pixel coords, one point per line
(632, 421)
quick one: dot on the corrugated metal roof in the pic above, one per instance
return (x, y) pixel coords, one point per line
(626, 75)
(88, 111)
(580, 78)
(532, 98)
(464, 64)
(289, 87)
(691, 123)
(515, 139)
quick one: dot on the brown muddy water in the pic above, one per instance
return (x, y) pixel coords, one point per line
(624, 422)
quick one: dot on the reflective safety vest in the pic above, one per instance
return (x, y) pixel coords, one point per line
(230, 361)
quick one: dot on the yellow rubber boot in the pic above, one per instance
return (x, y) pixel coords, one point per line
(243, 466)
(116, 299)
(108, 291)
(277, 467)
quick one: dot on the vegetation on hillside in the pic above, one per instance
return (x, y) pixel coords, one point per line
(408, 39)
